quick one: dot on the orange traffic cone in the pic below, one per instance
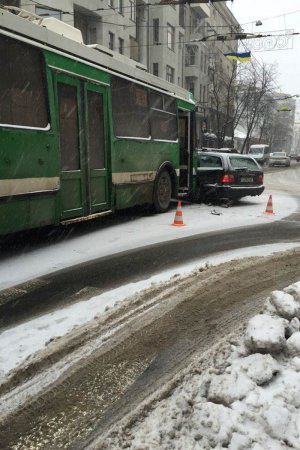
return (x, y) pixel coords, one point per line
(269, 208)
(178, 221)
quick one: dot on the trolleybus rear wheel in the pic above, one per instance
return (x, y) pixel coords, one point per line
(162, 192)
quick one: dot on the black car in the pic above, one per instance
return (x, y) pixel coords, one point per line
(223, 176)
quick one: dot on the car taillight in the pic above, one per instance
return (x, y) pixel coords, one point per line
(227, 178)
(260, 179)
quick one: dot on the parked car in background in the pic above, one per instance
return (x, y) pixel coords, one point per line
(279, 159)
(298, 158)
(293, 155)
(227, 176)
(260, 152)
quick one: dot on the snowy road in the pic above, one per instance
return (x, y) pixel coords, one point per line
(81, 384)
(140, 248)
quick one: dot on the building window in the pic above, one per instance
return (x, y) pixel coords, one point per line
(180, 41)
(155, 69)
(192, 88)
(182, 16)
(134, 49)
(170, 37)
(48, 12)
(200, 96)
(92, 35)
(87, 24)
(190, 57)
(155, 31)
(111, 42)
(121, 46)
(132, 10)
(170, 74)
(196, 24)
(202, 62)
(204, 94)
(120, 6)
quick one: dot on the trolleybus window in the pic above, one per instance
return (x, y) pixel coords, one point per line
(23, 99)
(163, 117)
(130, 109)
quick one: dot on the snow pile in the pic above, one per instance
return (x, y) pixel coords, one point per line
(265, 334)
(249, 400)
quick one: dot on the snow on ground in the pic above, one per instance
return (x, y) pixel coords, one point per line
(138, 233)
(250, 399)
(23, 340)
(29, 337)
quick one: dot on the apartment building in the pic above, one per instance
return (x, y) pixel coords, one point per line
(221, 72)
(166, 39)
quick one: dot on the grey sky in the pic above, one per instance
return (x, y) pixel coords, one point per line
(288, 60)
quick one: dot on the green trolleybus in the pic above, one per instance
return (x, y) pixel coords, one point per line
(84, 131)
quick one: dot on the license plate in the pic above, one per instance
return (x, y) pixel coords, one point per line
(246, 179)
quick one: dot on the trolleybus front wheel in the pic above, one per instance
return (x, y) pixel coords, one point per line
(162, 192)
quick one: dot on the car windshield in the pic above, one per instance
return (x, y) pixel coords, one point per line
(279, 154)
(238, 162)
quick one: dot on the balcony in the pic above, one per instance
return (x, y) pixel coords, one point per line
(192, 72)
(201, 8)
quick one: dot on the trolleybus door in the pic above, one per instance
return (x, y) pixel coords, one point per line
(96, 139)
(82, 147)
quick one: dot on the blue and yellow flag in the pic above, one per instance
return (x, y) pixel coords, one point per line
(241, 57)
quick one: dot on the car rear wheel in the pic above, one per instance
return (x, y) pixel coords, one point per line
(162, 192)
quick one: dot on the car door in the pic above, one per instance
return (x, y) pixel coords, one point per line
(210, 168)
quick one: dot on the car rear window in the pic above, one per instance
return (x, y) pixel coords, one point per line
(209, 161)
(237, 163)
(279, 154)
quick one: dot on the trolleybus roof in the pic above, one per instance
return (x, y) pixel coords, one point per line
(27, 31)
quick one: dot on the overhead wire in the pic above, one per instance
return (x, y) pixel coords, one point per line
(273, 17)
(232, 27)
(247, 48)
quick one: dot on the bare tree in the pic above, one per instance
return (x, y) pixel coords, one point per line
(239, 96)
(259, 86)
(222, 100)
